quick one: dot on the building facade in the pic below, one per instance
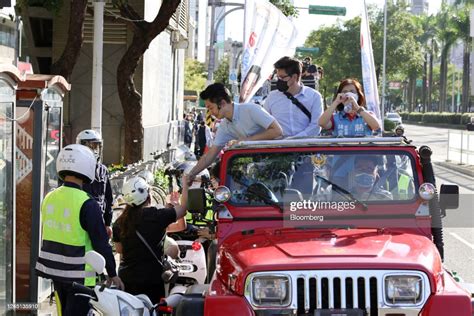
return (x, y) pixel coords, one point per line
(199, 11)
(419, 6)
(160, 76)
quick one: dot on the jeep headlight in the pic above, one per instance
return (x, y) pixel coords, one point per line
(270, 291)
(403, 289)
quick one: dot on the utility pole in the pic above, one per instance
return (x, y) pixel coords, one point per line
(453, 92)
(236, 52)
(384, 62)
(212, 41)
(212, 51)
(96, 107)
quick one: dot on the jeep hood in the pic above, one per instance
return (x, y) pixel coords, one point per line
(282, 250)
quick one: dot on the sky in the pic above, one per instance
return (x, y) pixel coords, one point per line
(305, 22)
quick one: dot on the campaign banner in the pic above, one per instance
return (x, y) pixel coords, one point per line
(269, 35)
(371, 90)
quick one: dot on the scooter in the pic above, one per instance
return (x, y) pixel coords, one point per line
(113, 302)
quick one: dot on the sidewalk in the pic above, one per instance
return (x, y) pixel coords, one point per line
(464, 169)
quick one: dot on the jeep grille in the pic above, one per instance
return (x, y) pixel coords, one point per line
(314, 290)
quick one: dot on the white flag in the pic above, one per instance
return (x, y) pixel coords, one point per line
(269, 35)
(368, 66)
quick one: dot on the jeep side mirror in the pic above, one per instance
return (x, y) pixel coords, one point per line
(449, 196)
(196, 200)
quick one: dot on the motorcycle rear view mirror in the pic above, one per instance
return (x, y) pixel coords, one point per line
(196, 200)
(95, 260)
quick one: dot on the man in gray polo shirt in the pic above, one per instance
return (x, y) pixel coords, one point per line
(240, 122)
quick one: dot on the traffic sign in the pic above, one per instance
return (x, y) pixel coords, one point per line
(326, 10)
(313, 50)
(394, 85)
(233, 75)
(419, 83)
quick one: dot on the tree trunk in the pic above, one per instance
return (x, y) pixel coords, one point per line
(466, 84)
(414, 106)
(130, 98)
(430, 81)
(411, 92)
(443, 79)
(65, 64)
(423, 88)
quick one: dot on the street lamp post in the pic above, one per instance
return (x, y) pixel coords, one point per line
(212, 51)
(96, 106)
(382, 108)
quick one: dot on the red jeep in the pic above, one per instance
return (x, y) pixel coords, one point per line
(324, 226)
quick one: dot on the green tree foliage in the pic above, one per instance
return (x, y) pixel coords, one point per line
(462, 23)
(222, 72)
(286, 7)
(447, 34)
(194, 75)
(340, 47)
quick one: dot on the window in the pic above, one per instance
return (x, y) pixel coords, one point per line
(6, 204)
(282, 177)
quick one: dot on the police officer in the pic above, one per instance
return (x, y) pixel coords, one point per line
(100, 188)
(72, 225)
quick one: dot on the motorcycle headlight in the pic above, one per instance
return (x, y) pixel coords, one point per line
(403, 289)
(270, 291)
(127, 310)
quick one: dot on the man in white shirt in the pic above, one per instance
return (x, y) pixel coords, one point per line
(240, 122)
(296, 107)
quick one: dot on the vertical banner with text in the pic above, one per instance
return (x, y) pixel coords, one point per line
(368, 66)
(268, 36)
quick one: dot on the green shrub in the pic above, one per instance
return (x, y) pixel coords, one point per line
(389, 125)
(113, 167)
(437, 118)
(415, 117)
(161, 179)
(466, 118)
(404, 115)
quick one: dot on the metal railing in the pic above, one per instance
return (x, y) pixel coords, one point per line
(461, 147)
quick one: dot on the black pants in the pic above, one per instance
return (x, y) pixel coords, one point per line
(71, 304)
(154, 291)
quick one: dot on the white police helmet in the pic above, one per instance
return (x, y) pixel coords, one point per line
(148, 176)
(135, 191)
(91, 139)
(77, 160)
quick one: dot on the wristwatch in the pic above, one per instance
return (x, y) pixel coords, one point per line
(360, 109)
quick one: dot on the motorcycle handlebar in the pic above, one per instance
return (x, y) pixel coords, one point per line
(81, 289)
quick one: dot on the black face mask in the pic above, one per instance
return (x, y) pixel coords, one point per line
(282, 85)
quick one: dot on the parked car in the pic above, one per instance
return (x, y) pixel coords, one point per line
(307, 227)
(394, 117)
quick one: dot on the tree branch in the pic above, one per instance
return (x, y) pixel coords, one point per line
(162, 19)
(135, 20)
(65, 64)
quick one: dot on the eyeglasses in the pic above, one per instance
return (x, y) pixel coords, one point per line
(282, 78)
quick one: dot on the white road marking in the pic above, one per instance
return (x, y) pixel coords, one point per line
(462, 240)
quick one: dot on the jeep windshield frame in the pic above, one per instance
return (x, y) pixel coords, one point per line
(271, 168)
